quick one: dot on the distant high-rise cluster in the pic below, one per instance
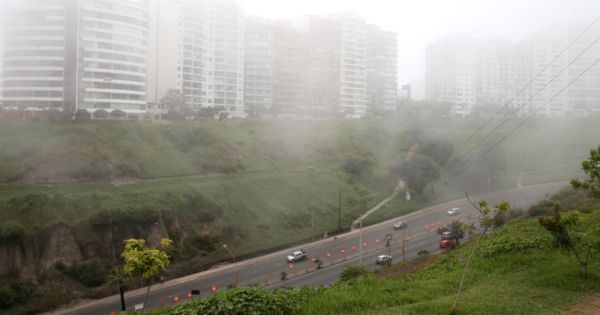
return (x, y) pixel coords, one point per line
(127, 55)
(467, 72)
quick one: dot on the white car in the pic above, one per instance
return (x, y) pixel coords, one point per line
(400, 225)
(296, 256)
(383, 259)
(453, 211)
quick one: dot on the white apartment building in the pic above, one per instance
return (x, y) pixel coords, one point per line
(382, 73)
(353, 74)
(527, 75)
(451, 72)
(258, 64)
(197, 48)
(76, 54)
(34, 55)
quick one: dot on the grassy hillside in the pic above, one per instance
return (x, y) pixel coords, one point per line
(515, 270)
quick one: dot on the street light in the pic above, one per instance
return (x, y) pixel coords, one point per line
(237, 279)
(360, 245)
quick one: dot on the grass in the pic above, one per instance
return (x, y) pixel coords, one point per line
(536, 280)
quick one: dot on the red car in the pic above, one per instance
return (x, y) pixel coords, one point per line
(446, 243)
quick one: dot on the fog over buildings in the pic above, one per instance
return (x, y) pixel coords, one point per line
(526, 75)
(330, 59)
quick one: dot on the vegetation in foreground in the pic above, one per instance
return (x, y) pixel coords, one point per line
(515, 270)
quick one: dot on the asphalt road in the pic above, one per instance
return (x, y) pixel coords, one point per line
(335, 254)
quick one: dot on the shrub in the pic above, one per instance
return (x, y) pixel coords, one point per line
(82, 114)
(251, 300)
(353, 272)
(543, 208)
(101, 113)
(11, 231)
(117, 113)
(90, 274)
(15, 290)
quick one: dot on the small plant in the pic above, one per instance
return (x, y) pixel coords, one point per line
(353, 272)
(423, 252)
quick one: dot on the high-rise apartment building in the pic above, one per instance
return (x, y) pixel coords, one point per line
(382, 73)
(198, 49)
(258, 64)
(527, 75)
(76, 54)
(353, 68)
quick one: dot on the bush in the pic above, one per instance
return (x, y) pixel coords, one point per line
(12, 231)
(90, 274)
(15, 290)
(359, 166)
(117, 113)
(251, 300)
(543, 208)
(353, 272)
(82, 114)
(101, 113)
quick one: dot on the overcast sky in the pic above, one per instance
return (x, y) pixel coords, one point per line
(419, 22)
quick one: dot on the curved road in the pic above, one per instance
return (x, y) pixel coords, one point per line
(335, 254)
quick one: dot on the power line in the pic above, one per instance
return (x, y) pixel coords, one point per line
(531, 81)
(529, 100)
(468, 165)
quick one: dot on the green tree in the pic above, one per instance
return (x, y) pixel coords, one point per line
(591, 167)
(119, 278)
(82, 114)
(458, 231)
(489, 215)
(100, 113)
(418, 172)
(572, 233)
(174, 101)
(437, 149)
(117, 113)
(147, 262)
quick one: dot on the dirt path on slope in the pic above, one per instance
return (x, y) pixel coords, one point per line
(401, 184)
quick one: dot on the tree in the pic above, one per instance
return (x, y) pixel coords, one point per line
(100, 113)
(571, 233)
(174, 101)
(145, 261)
(418, 172)
(118, 278)
(82, 114)
(457, 230)
(438, 149)
(489, 215)
(117, 113)
(591, 167)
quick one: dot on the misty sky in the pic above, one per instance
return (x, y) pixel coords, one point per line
(420, 22)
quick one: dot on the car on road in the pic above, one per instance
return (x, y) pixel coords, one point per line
(442, 229)
(296, 256)
(383, 259)
(447, 235)
(446, 243)
(454, 211)
(400, 225)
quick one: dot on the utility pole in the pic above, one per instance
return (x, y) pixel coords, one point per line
(403, 246)
(312, 223)
(340, 210)
(360, 245)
